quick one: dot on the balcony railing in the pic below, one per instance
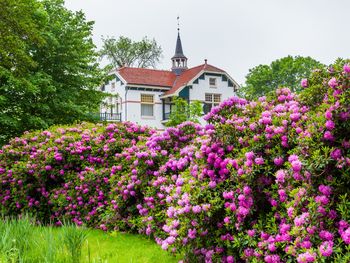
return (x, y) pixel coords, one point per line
(106, 116)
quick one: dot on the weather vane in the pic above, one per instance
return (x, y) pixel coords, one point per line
(178, 23)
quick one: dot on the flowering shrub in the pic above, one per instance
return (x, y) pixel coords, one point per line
(264, 181)
(137, 167)
(269, 182)
(63, 172)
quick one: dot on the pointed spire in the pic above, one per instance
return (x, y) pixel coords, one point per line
(178, 50)
(179, 60)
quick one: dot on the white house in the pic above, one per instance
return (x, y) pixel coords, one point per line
(144, 96)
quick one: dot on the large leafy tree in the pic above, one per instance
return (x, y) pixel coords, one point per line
(284, 72)
(22, 24)
(48, 68)
(125, 52)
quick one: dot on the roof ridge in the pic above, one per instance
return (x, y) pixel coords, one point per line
(163, 70)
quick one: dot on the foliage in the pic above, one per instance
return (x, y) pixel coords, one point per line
(18, 36)
(124, 52)
(284, 72)
(23, 241)
(15, 235)
(182, 111)
(48, 69)
(264, 181)
(62, 173)
(73, 240)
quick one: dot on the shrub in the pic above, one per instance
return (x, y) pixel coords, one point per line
(61, 173)
(264, 181)
(269, 182)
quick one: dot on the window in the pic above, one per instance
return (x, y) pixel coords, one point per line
(147, 103)
(211, 100)
(235, 88)
(113, 87)
(212, 82)
(116, 106)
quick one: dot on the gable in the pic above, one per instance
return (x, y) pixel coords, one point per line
(194, 75)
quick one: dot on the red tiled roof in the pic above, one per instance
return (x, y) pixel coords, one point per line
(163, 78)
(189, 74)
(148, 77)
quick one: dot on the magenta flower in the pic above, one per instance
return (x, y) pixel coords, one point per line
(278, 161)
(346, 236)
(192, 233)
(272, 259)
(328, 136)
(280, 176)
(249, 155)
(330, 125)
(196, 209)
(301, 220)
(251, 232)
(230, 259)
(346, 68)
(326, 248)
(259, 161)
(326, 235)
(324, 189)
(333, 82)
(296, 165)
(336, 154)
(304, 83)
(306, 257)
(227, 220)
(328, 114)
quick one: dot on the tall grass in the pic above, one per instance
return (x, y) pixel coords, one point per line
(23, 241)
(73, 240)
(48, 245)
(15, 236)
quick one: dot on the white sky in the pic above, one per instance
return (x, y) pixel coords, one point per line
(234, 35)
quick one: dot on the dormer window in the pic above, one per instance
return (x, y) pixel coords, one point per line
(212, 82)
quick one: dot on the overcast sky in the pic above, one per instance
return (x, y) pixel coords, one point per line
(234, 35)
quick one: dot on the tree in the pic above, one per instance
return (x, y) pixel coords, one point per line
(182, 111)
(125, 52)
(48, 66)
(21, 25)
(21, 32)
(284, 72)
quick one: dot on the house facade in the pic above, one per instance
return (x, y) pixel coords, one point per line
(145, 96)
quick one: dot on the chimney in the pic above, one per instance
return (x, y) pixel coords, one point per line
(205, 61)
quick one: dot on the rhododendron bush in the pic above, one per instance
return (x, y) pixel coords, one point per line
(263, 181)
(63, 173)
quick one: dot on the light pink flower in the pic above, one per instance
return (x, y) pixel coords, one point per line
(333, 82)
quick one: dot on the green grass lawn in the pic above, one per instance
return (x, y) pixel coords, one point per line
(122, 247)
(21, 241)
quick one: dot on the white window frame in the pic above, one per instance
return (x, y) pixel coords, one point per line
(212, 99)
(143, 96)
(215, 82)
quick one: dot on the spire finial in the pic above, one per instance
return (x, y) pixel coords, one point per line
(178, 23)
